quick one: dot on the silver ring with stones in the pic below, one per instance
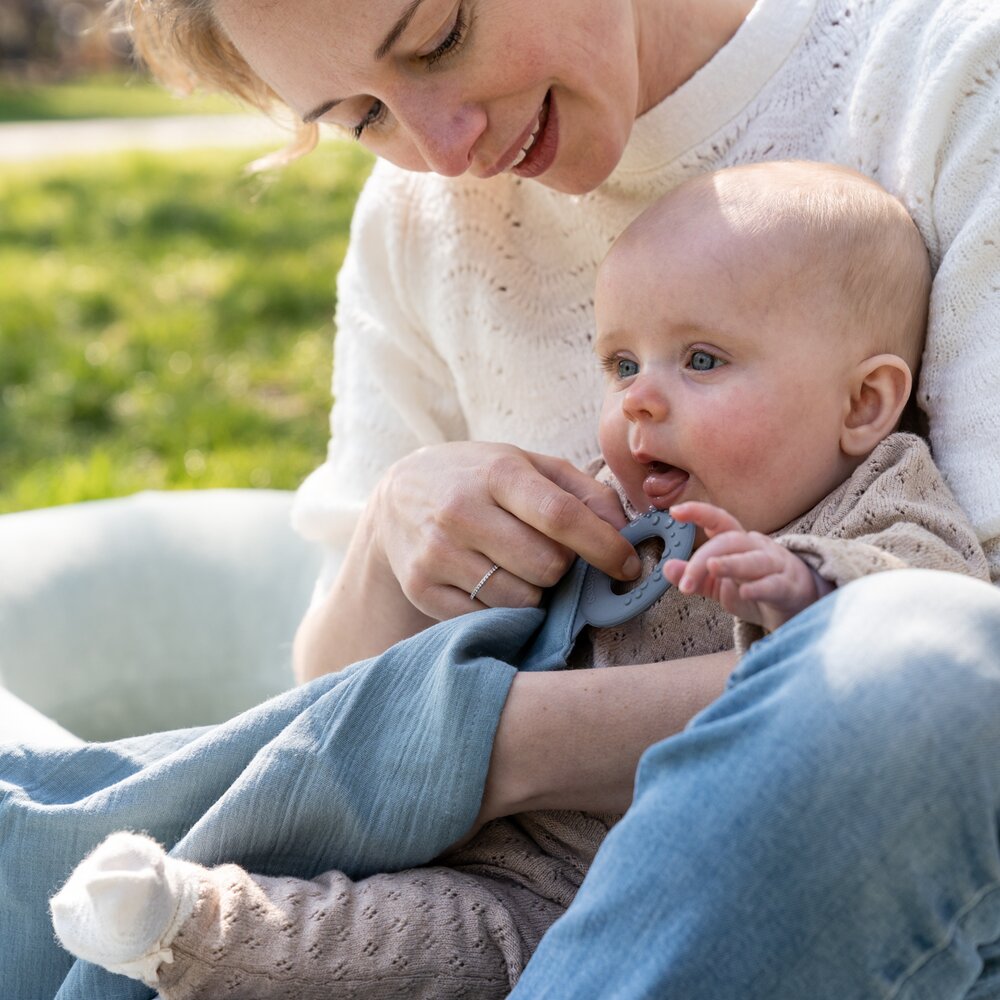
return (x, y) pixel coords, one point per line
(479, 586)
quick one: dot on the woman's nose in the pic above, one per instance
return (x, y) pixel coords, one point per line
(645, 399)
(445, 134)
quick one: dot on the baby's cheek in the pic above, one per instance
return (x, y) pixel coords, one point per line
(612, 435)
(741, 440)
(741, 462)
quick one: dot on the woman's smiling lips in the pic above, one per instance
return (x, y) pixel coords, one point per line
(534, 150)
(545, 143)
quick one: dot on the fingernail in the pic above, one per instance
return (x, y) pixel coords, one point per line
(632, 567)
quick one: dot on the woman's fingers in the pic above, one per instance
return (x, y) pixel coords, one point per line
(496, 588)
(599, 497)
(528, 561)
(447, 513)
(520, 548)
(570, 508)
(504, 590)
(501, 590)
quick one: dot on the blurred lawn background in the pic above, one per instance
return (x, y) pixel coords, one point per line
(108, 94)
(165, 320)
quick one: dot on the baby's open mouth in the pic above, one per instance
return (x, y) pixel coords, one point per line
(664, 484)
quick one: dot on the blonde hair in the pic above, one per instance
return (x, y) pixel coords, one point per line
(186, 49)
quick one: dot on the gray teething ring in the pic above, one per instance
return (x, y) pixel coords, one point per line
(601, 606)
(584, 596)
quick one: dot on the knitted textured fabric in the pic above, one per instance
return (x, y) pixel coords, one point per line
(465, 308)
(894, 512)
(467, 928)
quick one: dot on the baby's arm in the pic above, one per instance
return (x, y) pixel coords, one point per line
(749, 574)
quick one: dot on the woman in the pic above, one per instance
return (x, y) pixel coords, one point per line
(465, 313)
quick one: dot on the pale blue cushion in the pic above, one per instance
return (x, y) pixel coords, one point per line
(152, 612)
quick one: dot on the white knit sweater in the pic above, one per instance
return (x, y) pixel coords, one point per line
(466, 307)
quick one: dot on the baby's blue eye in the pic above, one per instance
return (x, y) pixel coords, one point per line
(627, 368)
(702, 361)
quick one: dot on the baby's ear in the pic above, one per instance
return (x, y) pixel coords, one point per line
(880, 388)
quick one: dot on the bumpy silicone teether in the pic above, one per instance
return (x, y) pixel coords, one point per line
(596, 602)
(601, 606)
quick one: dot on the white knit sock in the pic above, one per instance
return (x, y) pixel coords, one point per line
(124, 904)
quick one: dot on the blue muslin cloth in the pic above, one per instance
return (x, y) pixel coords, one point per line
(376, 768)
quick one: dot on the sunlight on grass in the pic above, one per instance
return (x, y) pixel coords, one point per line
(166, 322)
(120, 95)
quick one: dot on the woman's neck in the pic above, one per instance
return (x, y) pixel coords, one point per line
(677, 37)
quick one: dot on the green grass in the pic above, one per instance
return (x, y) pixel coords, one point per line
(165, 322)
(125, 95)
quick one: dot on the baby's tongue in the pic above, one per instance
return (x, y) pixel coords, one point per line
(664, 484)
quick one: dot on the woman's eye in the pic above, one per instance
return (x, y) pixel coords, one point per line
(702, 361)
(626, 368)
(451, 42)
(448, 45)
(373, 116)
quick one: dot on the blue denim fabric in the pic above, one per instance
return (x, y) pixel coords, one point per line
(377, 768)
(827, 829)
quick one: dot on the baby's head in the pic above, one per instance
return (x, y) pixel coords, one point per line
(760, 328)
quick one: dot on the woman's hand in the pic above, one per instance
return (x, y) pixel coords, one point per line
(435, 525)
(445, 514)
(749, 574)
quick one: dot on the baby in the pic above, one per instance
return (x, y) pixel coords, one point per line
(759, 329)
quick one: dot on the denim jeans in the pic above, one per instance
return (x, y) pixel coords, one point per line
(826, 830)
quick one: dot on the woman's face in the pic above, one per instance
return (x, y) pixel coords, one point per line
(544, 89)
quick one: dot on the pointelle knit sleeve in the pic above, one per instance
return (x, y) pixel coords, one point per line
(894, 512)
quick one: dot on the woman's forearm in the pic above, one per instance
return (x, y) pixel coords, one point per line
(364, 614)
(572, 739)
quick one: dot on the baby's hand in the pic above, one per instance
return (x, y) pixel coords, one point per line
(749, 574)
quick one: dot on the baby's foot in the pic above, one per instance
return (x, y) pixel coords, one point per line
(124, 904)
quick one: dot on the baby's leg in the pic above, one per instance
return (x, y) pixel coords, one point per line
(430, 932)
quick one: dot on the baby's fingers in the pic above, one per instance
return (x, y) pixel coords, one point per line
(743, 567)
(673, 570)
(771, 589)
(697, 576)
(711, 519)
